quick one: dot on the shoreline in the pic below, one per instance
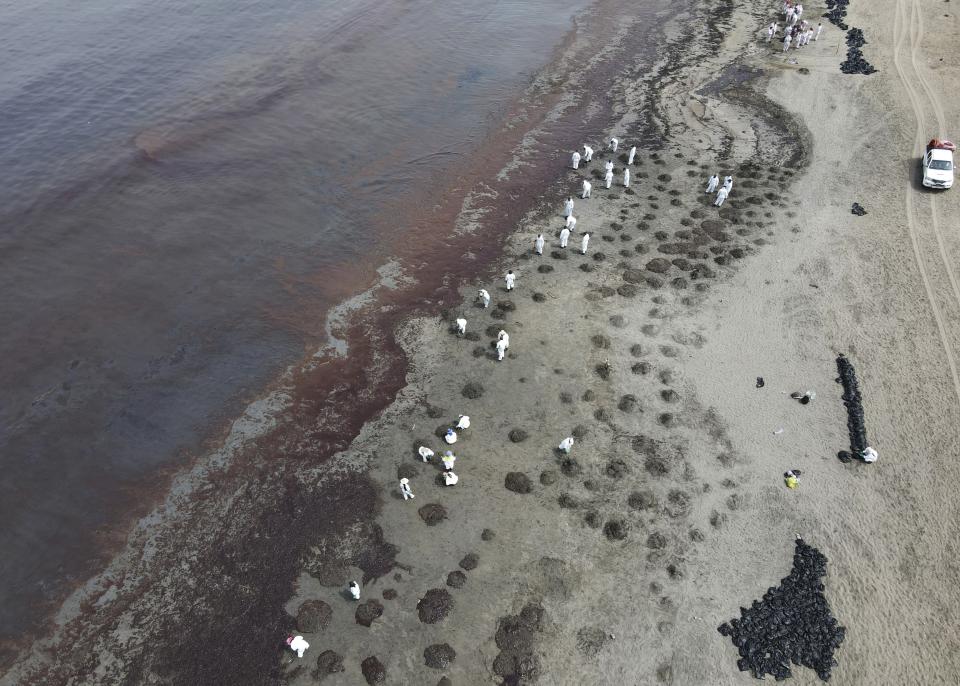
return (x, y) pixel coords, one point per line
(670, 513)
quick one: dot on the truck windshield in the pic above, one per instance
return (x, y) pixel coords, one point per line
(944, 165)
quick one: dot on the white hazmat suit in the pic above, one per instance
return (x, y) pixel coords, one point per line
(510, 279)
(484, 297)
(626, 178)
(587, 187)
(571, 222)
(608, 178)
(405, 489)
(583, 243)
(721, 196)
(450, 479)
(463, 422)
(568, 207)
(566, 444)
(450, 437)
(449, 459)
(461, 326)
(564, 237)
(425, 453)
(298, 645)
(354, 589)
(587, 153)
(614, 143)
(538, 244)
(712, 183)
(501, 349)
(631, 154)
(575, 160)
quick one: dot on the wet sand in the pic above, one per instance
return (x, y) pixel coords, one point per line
(614, 564)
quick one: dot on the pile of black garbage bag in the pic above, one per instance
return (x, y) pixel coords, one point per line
(857, 209)
(837, 12)
(854, 405)
(792, 624)
(855, 62)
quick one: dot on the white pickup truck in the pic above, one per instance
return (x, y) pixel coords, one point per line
(937, 164)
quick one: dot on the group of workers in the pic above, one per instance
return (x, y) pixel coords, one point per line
(724, 190)
(796, 32)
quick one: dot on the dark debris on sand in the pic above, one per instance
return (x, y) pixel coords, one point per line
(791, 624)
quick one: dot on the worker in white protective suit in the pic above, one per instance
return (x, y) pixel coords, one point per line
(721, 196)
(608, 166)
(575, 160)
(354, 589)
(425, 453)
(566, 444)
(869, 455)
(587, 187)
(584, 242)
(786, 41)
(770, 33)
(626, 178)
(564, 236)
(538, 244)
(571, 222)
(819, 31)
(449, 459)
(463, 422)
(505, 337)
(297, 644)
(728, 183)
(712, 183)
(587, 153)
(614, 143)
(405, 489)
(608, 178)
(510, 279)
(567, 207)
(450, 479)
(484, 297)
(461, 326)
(501, 349)
(450, 437)
(631, 154)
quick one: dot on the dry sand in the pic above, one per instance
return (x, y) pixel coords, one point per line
(618, 566)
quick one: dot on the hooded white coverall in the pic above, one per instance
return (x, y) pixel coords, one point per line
(505, 337)
(712, 183)
(626, 178)
(405, 489)
(721, 196)
(450, 437)
(538, 244)
(571, 222)
(463, 422)
(632, 153)
(786, 42)
(564, 237)
(299, 645)
(583, 243)
(568, 207)
(354, 588)
(587, 153)
(449, 459)
(461, 326)
(608, 166)
(566, 444)
(819, 31)
(728, 183)
(575, 160)
(484, 297)
(425, 453)
(450, 479)
(510, 278)
(614, 143)
(501, 349)
(587, 187)
(608, 178)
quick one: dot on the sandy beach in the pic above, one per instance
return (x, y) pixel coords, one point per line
(615, 564)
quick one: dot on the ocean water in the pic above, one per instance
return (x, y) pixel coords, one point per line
(185, 191)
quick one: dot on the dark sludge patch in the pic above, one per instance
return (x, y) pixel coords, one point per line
(439, 656)
(516, 637)
(432, 513)
(435, 605)
(367, 612)
(373, 670)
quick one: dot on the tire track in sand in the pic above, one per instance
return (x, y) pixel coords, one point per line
(914, 32)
